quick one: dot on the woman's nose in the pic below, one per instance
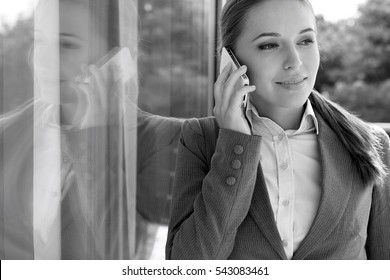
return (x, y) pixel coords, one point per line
(293, 59)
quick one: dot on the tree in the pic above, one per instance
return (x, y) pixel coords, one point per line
(374, 24)
(355, 61)
(173, 57)
(17, 77)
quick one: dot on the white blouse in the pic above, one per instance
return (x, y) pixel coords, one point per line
(292, 170)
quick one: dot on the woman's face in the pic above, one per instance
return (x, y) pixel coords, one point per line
(278, 44)
(77, 41)
(80, 43)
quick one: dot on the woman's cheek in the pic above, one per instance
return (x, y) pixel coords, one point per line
(314, 59)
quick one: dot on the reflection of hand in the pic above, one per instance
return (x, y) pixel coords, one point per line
(93, 97)
(101, 97)
(228, 100)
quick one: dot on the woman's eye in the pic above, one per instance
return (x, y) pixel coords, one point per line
(69, 45)
(306, 42)
(269, 46)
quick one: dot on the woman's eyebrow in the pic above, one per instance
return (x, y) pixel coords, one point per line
(307, 30)
(270, 34)
(274, 34)
(64, 34)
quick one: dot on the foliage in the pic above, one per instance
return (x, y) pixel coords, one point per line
(375, 22)
(355, 69)
(17, 76)
(173, 57)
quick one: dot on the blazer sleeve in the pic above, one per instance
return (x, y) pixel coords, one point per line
(210, 200)
(378, 234)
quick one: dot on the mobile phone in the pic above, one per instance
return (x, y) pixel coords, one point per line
(118, 60)
(228, 56)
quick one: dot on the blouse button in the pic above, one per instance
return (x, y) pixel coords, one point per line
(285, 243)
(236, 164)
(230, 181)
(238, 149)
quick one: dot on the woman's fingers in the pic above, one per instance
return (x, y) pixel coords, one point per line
(235, 76)
(236, 99)
(100, 88)
(226, 89)
(219, 85)
(229, 93)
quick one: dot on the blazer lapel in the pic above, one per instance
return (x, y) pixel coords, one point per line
(337, 178)
(261, 212)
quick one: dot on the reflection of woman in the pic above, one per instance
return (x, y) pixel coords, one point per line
(292, 176)
(118, 155)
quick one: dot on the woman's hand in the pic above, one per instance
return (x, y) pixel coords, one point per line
(102, 99)
(92, 95)
(228, 99)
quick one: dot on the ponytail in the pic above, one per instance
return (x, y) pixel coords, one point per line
(361, 140)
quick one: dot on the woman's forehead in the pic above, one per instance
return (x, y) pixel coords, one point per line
(279, 16)
(74, 17)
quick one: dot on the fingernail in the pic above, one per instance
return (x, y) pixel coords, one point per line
(243, 67)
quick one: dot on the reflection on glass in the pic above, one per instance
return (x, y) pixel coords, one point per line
(174, 56)
(87, 175)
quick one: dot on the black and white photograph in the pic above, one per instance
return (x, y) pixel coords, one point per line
(195, 130)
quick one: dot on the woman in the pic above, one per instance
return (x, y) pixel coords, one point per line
(292, 175)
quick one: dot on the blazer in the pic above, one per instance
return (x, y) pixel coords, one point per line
(221, 208)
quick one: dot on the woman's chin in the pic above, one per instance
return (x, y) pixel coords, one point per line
(68, 95)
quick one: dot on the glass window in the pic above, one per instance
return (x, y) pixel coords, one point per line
(94, 93)
(174, 57)
(176, 68)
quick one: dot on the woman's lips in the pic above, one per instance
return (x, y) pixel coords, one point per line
(293, 83)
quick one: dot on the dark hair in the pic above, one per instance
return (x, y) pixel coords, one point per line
(359, 138)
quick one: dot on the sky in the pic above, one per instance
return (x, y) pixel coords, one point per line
(11, 9)
(332, 10)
